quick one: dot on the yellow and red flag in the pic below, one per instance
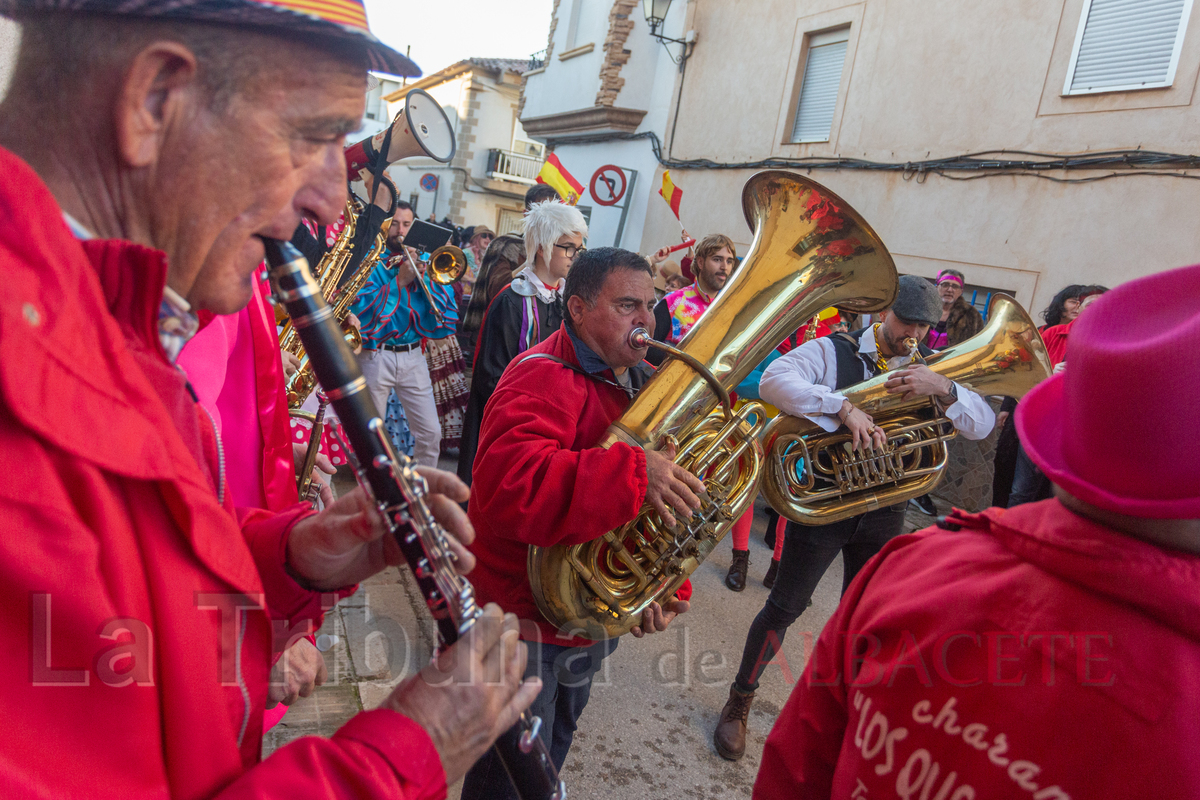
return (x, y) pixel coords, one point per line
(555, 174)
(671, 193)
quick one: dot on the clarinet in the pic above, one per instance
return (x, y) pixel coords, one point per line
(399, 492)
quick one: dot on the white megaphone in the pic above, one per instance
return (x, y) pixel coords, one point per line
(421, 128)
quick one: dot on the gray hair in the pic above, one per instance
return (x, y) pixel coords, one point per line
(546, 223)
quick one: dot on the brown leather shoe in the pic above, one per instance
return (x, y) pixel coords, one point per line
(772, 571)
(736, 579)
(730, 735)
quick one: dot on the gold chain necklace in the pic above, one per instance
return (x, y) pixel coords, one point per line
(880, 361)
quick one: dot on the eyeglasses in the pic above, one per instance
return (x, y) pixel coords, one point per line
(571, 251)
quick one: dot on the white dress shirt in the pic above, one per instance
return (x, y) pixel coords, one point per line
(802, 382)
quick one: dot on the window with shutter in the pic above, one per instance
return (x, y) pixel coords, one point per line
(820, 83)
(1124, 45)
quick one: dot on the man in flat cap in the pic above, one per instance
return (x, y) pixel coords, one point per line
(146, 146)
(808, 382)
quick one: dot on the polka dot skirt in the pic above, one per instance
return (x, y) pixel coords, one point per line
(331, 438)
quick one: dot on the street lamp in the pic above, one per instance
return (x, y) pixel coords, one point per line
(656, 12)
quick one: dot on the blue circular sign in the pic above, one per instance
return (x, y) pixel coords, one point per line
(429, 182)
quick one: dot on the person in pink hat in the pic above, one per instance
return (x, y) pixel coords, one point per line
(1048, 651)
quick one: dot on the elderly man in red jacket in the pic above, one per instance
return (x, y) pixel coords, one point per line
(541, 480)
(1048, 651)
(145, 147)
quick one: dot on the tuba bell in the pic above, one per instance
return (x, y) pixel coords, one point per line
(810, 251)
(815, 478)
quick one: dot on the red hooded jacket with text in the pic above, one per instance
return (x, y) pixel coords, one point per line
(1033, 654)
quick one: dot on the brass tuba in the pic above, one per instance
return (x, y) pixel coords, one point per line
(810, 251)
(814, 477)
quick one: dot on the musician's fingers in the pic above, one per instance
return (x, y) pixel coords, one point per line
(451, 517)
(880, 439)
(325, 465)
(461, 532)
(447, 483)
(856, 438)
(526, 693)
(325, 493)
(663, 510)
(487, 630)
(693, 483)
(681, 499)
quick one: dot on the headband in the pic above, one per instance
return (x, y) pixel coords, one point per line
(948, 276)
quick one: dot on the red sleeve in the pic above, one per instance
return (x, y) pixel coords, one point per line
(529, 485)
(684, 592)
(376, 754)
(266, 534)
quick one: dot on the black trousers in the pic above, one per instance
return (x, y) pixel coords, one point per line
(807, 554)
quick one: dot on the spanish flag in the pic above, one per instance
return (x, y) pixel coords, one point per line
(671, 193)
(555, 174)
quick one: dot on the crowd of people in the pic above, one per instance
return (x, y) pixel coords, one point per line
(163, 581)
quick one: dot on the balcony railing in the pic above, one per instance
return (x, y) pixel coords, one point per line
(537, 60)
(505, 165)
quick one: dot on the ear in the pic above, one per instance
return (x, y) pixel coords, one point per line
(154, 93)
(575, 307)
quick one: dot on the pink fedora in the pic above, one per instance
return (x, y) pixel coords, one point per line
(1120, 427)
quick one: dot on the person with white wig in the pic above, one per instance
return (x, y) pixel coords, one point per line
(526, 312)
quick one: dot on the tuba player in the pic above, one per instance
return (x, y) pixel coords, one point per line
(806, 382)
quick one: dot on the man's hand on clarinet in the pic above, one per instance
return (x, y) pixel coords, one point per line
(670, 486)
(347, 542)
(472, 693)
(863, 430)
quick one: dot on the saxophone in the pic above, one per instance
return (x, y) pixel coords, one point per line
(339, 294)
(810, 251)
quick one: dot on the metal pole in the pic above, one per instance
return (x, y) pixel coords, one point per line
(625, 208)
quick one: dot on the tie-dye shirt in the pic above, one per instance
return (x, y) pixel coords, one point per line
(685, 307)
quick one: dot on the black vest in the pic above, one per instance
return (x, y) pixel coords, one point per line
(850, 362)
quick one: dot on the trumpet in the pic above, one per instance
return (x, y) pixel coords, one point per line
(445, 265)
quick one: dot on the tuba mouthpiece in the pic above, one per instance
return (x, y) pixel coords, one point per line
(639, 338)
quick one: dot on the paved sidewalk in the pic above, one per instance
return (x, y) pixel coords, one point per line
(648, 728)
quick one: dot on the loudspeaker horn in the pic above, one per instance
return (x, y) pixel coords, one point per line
(421, 128)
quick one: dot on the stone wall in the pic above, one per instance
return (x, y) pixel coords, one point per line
(465, 153)
(615, 54)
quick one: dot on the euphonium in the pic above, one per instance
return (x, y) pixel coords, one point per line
(810, 251)
(815, 478)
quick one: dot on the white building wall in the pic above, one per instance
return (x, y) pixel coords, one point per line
(922, 79)
(650, 81)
